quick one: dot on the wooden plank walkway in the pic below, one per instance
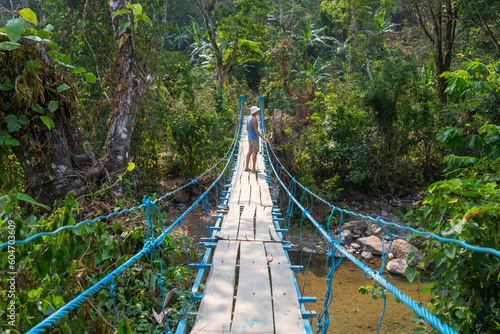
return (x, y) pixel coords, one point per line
(250, 288)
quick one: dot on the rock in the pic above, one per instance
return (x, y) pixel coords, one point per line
(355, 246)
(356, 236)
(346, 237)
(396, 266)
(182, 196)
(321, 252)
(360, 225)
(366, 256)
(378, 230)
(401, 249)
(384, 214)
(396, 219)
(368, 232)
(372, 244)
(390, 256)
(308, 250)
(356, 231)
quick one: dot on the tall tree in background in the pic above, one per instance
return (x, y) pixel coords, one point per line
(441, 16)
(284, 23)
(130, 82)
(350, 13)
(235, 30)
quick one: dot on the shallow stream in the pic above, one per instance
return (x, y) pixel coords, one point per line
(350, 311)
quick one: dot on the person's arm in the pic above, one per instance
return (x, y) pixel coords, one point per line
(256, 128)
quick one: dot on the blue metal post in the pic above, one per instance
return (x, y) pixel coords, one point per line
(242, 105)
(261, 105)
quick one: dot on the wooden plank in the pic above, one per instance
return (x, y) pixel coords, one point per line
(246, 230)
(235, 193)
(230, 225)
(253, 311)
(264, 226)
(261, 178)
(244, 195)
(254, 195)
(265, 196)
(286, 307)
(214, 314)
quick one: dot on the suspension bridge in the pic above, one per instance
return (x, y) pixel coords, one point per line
(249, 282)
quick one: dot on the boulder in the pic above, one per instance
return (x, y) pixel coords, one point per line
(397, 266)
(372, 244)
(182, 196)
(366, 256)
(346, 237)
(360, 225)
(355, 246)
(401, 249)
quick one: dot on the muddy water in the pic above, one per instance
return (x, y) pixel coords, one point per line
(350, 311)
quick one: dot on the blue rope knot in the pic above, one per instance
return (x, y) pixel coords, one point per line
(160, 281)
(320, 325)
(330, 254)
(147, 201)
(150, 244)
(112, 291)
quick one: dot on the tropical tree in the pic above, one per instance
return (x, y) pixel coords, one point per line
(236, 32)
(442, 16)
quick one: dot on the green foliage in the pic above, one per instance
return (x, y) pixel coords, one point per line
(466, 207)
(53, 270)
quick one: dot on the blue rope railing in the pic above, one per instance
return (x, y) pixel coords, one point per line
(73, 227)
(334, 246)
(384, 283)
(150, 244)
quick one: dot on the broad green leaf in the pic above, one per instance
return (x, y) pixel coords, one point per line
(144, 18)
(33, 38)
(90, 78)
(38, 109)
(12, 124)
(137, 8)
(11, 141)
(460, 314)
(33, 66)
(23, 120)
(14, 29)
(120, 12)
(47, 121)
(7, 46)
(123, 25)
(7, 85)
(53, 105)
(57, 301)
(78, 70)
(29, 199)
(449, 250)
(410, 273)
(64, 58)
(62, 88)
(49, 27)
(28, 15)
(6, 106)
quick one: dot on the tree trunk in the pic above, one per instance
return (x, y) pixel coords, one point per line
(129, 85)
(442, 38)
(53, 160)
(206, 9)
(354, 35)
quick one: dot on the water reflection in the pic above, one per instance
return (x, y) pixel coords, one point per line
(350, 311)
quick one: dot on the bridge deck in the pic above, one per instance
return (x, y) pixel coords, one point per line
(250, 288)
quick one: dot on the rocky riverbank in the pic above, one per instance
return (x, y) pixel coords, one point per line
(364, 237)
